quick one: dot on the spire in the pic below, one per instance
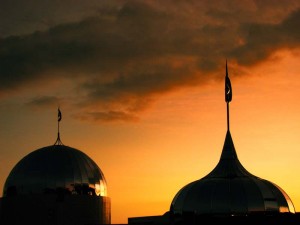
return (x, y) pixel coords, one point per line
(228, 151)
(59, 116)
(229, 164)
(228, 94)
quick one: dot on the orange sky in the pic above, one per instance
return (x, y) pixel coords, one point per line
(148, 105)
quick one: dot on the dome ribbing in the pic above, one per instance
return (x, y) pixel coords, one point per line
(229, 189)
(56, 168)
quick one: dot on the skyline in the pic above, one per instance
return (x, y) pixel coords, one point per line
(141, 89)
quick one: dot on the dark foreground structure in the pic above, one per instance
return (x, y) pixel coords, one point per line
(229, 194)
(193, 219)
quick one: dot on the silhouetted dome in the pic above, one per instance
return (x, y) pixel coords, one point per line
(230, 189)
(56, 169)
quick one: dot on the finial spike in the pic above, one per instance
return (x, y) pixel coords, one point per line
(59, 116)
(228, 93)
(228, 89)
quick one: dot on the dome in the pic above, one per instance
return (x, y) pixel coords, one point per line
(229, 189)
(56, 169)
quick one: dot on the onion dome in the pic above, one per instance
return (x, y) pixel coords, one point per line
(56, 169)
(229, 189)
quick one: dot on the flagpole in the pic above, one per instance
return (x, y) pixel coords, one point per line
(59, 116)
(227, 116)
(58, 136)
(228, 94)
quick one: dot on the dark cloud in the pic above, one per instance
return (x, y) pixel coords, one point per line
(44, 101)
(261, 40)
(131, 93)
(107, 116)
(19, 17)
(131, 52)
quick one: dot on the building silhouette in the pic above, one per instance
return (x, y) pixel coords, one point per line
(61, 185)
(55, 185)
(228, 194)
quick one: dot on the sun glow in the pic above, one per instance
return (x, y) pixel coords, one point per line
(100, 189)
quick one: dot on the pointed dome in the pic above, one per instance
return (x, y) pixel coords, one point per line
(229, 189)
(229, 165)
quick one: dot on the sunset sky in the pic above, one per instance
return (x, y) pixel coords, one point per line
(140, 85)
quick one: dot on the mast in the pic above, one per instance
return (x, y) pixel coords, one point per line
(228, 94)
(59, 116)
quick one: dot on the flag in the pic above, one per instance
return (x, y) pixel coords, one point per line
(59, 115)
(228, 89)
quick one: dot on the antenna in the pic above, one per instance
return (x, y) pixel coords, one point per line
(59, 116)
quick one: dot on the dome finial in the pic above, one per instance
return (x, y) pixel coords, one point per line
(59, 116)
(228, 94)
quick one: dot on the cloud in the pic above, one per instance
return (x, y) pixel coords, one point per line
(107, 116)
(19, 17)
(132, 52)
(261, 40)
(44, 101)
